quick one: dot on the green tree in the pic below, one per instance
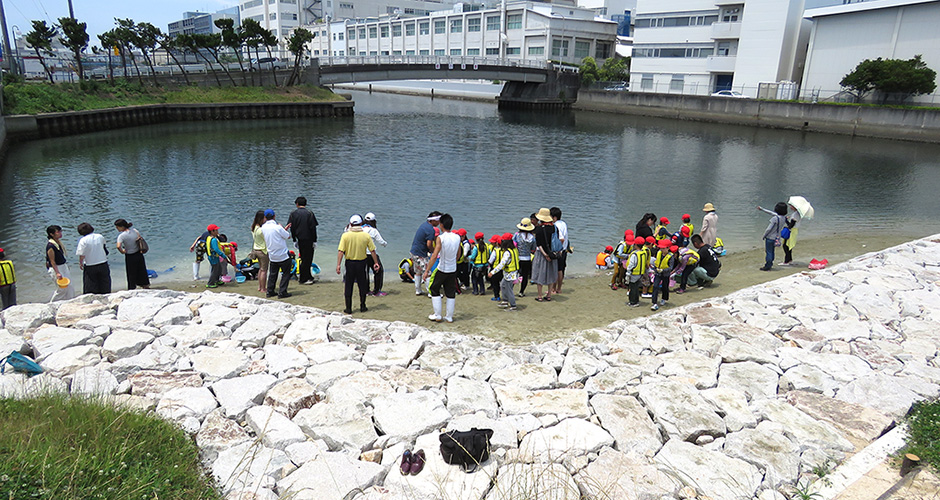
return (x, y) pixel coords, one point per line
(234, 39)
(588, 71)
(146, 38)
(615, 69)
(297, 44)
(269, 39)
(76, 39)
(40, 39)
(212, 43)
(169, 45)
(127, 37)
(896, 78)
(251, 37)
(108, 43)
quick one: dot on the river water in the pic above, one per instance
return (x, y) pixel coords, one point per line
(403, 156)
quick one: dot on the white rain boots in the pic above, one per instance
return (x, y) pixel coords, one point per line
(195, 271)
(436, 304)
(450, 309)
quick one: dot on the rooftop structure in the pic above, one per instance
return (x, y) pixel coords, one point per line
(201, 22)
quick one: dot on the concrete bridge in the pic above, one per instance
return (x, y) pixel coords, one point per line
(529, 83)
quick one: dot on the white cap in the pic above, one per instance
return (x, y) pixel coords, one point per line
(355, 220)
(370, 216)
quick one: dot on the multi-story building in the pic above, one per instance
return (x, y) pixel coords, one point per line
(525, 30)
(845, 35)
(201, 22)
(702, 46)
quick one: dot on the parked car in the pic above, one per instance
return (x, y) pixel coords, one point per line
(730, 93)
(265, 63)
(618, 87)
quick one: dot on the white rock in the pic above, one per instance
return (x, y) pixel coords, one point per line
(681, 410)
(629, 423)
(481, 365)
(268, 321)
(140, 309)
(529, 376)
(71, 359)
(808, 378)
(25, 317)
(215, 363)
(307, 329)
(692, 367)
(218, 315)
(291, 396)
(879, 391)
(93, 380)
(178, 404)
(331, 476)
(805, 430)
(321, 376)
(562, 402)
(275, 430)
(150, 382)
(361, 386)
(446, 361)
(175, 313)
(469, 396)
(504, 432)
(841, 367)
(615, 378)
(53, 339)
(124, 344)
(250, 466)
(570, 437)
(618, 475)
(283, 358)
(360, 332)
(10, 343)
(716, 475)
(236, 395)
(193, 335)
(732, 405)
(70, 312)
(706, 340)
(755, 380)
(301, 453)
(549, 481)
(320, 352)
(217, 434)
(411, 380)
(408, 415)
(768, 448)
(578, 366)
(344, 425)
(736, 350)
(392, 354)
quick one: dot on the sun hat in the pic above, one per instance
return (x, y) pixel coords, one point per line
(506, 237)
(608, 249)
(544, 215)
(355, 220)
(709, 208)
(369, 216)
(650, 240)
(269, 213)
(664, 220)
(674, 248)
(686, 231)
(212, 227)
(663, 243)
(525, 224)
(479, 236)
(461, 231)
(686, 217)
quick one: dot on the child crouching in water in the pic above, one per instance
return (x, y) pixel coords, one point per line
(508, 266)
(666, 260)
(479, 257)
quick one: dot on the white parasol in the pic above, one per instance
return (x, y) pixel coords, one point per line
(802, 206)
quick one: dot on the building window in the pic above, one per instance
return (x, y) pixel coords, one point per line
(513, 51)
(384, 52)
(292, 17)
(352, 51)
(455, 52)
(409, 52)
(362, 52)
(731, 14)
(373, 53)
(423, 52)
(492, 51)
(473, 24)
(677, 82)
(384, 31)
(424, 28)
(396, 52)
(473, 52)
(492, 23)
(602, 50)
(362, 32)
(272, 16)
(373, 32)
(559, 48)
(581, 49)
(536, 51)
(439, 27)
(438, 52)
(396, 30)
(346, 6)
(252, 3)
(340, 35)
(410, 29)
(646, 82)
(514, 22)
(352, 34)
(334, 37)
(316, 52)
(726, 49)
(456, 25)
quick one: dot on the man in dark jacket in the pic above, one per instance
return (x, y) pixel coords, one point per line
(708, 263)
(303, 230)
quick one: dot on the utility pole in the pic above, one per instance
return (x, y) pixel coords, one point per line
(8, 59)
(71, 12)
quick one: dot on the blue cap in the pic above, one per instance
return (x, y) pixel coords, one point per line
(269, 213)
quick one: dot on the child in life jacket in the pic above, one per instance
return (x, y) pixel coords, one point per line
(681, 237)
(688, 261)
(618, 257)
(646, 280)
(687, 222)
(661, 232)
(406, 270)
(603, 259)
(508, 266)
(666, 261)
(463, 262)
(479, 259)
(636, 268)
(495, 255)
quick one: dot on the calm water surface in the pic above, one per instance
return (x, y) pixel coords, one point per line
(402, 157)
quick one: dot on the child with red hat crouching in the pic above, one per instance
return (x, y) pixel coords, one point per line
(603, 259)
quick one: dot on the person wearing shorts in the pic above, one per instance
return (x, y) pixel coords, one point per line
(421, 246)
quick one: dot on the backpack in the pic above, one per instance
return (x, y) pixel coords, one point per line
(466, 448)
(557, 245)
(20, 363)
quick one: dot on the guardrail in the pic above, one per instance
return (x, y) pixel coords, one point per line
(448, 61)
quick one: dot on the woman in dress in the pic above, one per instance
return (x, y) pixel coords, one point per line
(544, 265)
(128, 243)
(259, 250)
(56, 265)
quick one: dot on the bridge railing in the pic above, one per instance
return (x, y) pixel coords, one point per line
(444, 61)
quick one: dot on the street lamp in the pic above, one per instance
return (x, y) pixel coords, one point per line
(16, 51)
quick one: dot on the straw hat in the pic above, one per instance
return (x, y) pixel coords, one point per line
(709, 208)
(544, 215)
(526, 224)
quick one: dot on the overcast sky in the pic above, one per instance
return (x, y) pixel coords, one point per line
(100, 14)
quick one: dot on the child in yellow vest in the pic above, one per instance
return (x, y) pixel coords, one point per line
(636, 268)
(665, 263)
(619, 260)
(508, 267)
(7, 282)
(687, 222)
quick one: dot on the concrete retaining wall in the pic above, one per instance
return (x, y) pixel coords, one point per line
(922, 125)
(27, 127)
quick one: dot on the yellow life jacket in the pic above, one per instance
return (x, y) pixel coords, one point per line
(657, 232)
(401, 266)
(513, 264)
(602, 259)
(663, 260)
(7, 274)
(642, 261)
(463, 254)
(209, 251)
(693, 256)
(482, 257)
(691, 228)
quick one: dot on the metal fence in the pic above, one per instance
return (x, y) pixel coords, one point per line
(444, 61)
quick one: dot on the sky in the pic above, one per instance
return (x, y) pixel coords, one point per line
(100, 14)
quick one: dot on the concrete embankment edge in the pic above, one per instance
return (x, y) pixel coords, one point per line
(422, 92)
(920, 125)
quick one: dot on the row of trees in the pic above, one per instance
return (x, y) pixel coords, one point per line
(615, 69)
(129, 39)
(897, 78)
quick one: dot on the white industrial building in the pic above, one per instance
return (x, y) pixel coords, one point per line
(201, 22)
(525, 30)
(702, 46)
(844, 35)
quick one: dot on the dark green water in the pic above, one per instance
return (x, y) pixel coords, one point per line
(402, 157)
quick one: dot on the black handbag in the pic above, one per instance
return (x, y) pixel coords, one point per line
(466, 448)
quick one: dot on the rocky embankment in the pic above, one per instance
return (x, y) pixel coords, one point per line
(738, 397)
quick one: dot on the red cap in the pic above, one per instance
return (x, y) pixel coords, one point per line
(506, 237)
(607, 249)
(494, 238)
(628, 232)
(628, 240)
(686, 217)
(686, 231)
(663, 243)
(462, 232)
(212, 227)
(663, 220)
(479, 236)
(1, 250)
(674, 249)
(650, 240)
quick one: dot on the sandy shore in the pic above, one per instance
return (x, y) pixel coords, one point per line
(585, 302)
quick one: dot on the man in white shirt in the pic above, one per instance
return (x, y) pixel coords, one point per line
(447, 247)
(93, 260)
(562, 228)
(275, 238)
(368, 225)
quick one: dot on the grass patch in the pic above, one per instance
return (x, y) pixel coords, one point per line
(923, 440)
(57, 447)
(34, 98)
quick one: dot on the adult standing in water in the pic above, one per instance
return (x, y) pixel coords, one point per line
(259, 250)
(128, 243)
(447, 248)
(421, 246)
(709, 225)
(56, 264)
(544, 265)
(93, 260)
(303, 230)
